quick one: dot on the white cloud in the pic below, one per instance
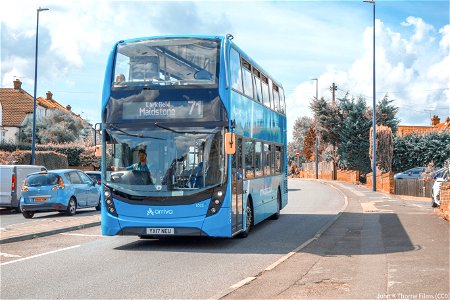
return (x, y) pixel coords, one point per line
(422, 29)
(413, 71)
(445, 41)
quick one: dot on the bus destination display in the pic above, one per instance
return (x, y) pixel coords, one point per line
(162, 110)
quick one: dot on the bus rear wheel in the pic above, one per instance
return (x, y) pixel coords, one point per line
(276, 215)
(248, 219)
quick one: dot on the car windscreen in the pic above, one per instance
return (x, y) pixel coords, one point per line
(42, 179)
(95, 177)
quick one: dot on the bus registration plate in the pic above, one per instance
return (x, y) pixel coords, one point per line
(160, 231)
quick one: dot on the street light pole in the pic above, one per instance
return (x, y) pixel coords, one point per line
(374, 120)
(33, 138)
(317, 133)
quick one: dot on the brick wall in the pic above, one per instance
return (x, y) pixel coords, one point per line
(309, 170)
(444, 208)
(385, 182)
(351, 176)
(326, 175)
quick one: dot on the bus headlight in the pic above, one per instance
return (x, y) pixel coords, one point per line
(217, 198)
(109, 201)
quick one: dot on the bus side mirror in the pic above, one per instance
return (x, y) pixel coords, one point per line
(98, 151)
(230, 143)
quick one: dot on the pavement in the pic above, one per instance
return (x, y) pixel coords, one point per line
(380, 247)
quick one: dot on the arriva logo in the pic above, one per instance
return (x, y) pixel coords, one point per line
(159, 212)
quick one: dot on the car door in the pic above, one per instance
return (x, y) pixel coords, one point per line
(91, 190)
(78, 188)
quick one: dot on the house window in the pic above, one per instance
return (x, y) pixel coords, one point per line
(39, 112)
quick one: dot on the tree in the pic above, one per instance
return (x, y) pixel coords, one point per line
(329, 121)
(57, 127)
(354, 147)
(310, 142)
(300, 130)
(386, 114)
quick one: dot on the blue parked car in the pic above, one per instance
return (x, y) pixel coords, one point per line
(58, 190)
(414, 173)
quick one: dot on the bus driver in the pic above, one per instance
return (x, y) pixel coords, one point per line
(142, 164)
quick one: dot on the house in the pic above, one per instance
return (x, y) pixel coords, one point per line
(436, 126)
(16, 104)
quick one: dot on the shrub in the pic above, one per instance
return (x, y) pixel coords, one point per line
(72, 151)
(417, 151)
(49, 159)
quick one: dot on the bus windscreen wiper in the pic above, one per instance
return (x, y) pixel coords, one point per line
(177, 131)
(134, 134)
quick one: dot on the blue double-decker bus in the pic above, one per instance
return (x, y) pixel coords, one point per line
(193, 139)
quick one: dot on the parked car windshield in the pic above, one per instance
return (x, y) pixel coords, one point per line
(42, 179)
(95, 176)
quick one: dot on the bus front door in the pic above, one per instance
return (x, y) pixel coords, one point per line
(237, 182)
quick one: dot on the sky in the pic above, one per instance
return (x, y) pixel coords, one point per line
(294, 41)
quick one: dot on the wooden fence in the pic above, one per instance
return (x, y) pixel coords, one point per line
(413, 187)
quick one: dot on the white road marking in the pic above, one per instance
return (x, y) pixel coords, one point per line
(282, 259)
(9, 255)
(80, 234)
(38, 255)
(242, 282)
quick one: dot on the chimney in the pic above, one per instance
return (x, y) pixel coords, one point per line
(49, 95)
(435, 120)
(17, 85)
(69, 108)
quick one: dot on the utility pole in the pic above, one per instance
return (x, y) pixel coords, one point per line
(333, 89)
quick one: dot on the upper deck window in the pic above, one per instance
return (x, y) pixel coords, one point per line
(235, 70)
(247, 79)
(265, 90)
(170, 61)
(276, 98)
(257, 84)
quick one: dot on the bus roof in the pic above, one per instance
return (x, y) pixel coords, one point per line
(212, 37)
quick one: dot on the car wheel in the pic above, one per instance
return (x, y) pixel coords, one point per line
(276, 215)
(99, 205)
(71, 207)
(248, 219)
(27, 214)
